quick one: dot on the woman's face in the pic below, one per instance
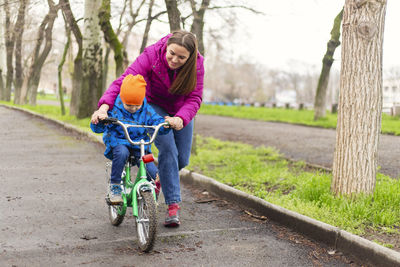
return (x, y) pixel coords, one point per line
(176, 56)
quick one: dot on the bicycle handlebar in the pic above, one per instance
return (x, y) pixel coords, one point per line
(126, 126)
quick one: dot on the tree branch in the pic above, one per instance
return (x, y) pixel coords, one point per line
(239, 6)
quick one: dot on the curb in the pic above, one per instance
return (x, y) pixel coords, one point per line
(363, 249)
(68, 127)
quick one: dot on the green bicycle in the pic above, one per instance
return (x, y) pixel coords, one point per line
(139, 194)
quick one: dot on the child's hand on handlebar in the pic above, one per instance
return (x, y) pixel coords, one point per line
(98, 115)
(175, 123)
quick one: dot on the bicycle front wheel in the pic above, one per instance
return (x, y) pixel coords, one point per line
(146, 222)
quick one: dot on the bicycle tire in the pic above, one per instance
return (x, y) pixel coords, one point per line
(146, 222)
(113, 212)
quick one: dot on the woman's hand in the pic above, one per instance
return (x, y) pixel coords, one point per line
(100, 114)
(175, 123)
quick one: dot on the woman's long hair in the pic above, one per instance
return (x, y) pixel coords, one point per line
(186, 79)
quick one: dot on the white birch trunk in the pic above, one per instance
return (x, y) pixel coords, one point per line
(92, 60)
(92, 32)
(360, 99)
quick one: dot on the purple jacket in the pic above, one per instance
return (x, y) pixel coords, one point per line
(153, 66)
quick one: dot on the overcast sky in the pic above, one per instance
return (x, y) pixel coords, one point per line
(294, 30)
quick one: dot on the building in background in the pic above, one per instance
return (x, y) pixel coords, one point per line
(391, 96)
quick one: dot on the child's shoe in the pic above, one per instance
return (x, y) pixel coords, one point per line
(115, 194)
(172, 216)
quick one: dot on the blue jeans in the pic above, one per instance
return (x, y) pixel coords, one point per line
(174, 152)
(121, 154)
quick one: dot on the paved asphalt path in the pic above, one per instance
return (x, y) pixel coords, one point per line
(310, 144)
(53, 213)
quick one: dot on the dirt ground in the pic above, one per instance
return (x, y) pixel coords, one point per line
(310, 144)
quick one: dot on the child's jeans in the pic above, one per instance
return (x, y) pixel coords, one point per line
(121, 154)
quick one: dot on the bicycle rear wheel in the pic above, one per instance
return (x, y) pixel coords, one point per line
(146, 222)
(114, 212)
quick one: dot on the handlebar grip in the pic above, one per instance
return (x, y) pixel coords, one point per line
(109, 120)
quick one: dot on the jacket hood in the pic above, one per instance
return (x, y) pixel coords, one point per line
(120, 105)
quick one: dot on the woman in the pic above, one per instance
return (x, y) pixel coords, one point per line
(174, 72)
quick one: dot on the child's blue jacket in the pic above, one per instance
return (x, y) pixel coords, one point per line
(113, 134)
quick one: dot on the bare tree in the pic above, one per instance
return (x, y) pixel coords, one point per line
(149, 21)
(10, 44)
(133, 15)
(360, 101)
(111, 37)
(19, 30)
(198, 21)
(91, 88)
(320, 97)
(108, 49)
(60, 67)
(77, 74)
(31, 81)
(147, 28)
(3, 54)
(198, 14)
(174, 15)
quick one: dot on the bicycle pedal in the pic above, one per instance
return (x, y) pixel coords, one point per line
(109, 203)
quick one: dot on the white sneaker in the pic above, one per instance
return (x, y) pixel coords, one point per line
(115, 194)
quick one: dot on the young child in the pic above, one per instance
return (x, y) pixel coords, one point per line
(130, 106)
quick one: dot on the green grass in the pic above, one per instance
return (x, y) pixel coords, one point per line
(264, 173)
(390, 124)
(43, 96)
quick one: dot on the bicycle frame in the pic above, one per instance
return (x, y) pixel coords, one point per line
(132, 189)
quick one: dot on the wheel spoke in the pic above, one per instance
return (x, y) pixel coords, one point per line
(146, 221)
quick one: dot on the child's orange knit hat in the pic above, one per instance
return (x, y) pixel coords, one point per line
(133, 90)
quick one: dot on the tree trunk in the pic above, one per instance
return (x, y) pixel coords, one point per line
(3, 54)
(19, 30)
(60, 67)
(92, 60)
(77, 74)
(129, 27)
(110, 36)
(9, 37)
(105, 68)
(197, 28)
(1, 83)
(327, 61)
(360, 101)
(198, 22)
(147, 28)
(174, 15)
(31, 82)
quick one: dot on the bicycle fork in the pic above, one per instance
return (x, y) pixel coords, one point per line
(132, 190)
